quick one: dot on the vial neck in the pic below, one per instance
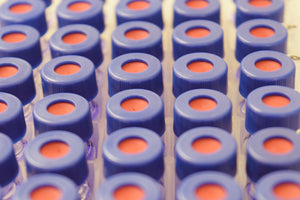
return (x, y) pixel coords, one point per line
(27, 111)
(90, 150)
(250, 190)
(94, 109)
(8, 191)
(19, 149)
(84, 191)
(243, 107)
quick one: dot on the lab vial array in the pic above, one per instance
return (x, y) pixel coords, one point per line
(149, 100)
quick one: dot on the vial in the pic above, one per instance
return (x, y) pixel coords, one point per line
(59, 152)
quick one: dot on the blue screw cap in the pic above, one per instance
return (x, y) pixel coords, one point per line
(261, 161)
(82, 82)
(273, 37)
(91, 14)
(217, 115)
(151, 12)
(146, 184)
(8, 163)
(12, 121)
(189, 160)
(188, 187)
(245, 11)
(78, 121)
(120, 78)
(187, 78)
(27, 46)
(65, 186)
(260, 115)
(184, 12)
(208, 37)
(150, 42)
(147, 161)
(151, 116)
(267, 184)
(65, 42)
(20, 84)
(72, 165)
(255, 74)
(35, 16)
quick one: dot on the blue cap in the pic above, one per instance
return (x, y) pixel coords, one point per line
(245, 11)
(186, 78)
(260, 115)
(8, 163)
(211, 40)
(267, 185)
(217, 114)
(147, 160)
(90, 14)
(20, 84)
(189, 160)
(26, 47)
(72, 165)
(255, 73)
(151, 12)
(82, 82)
(12, 122)
(184, 12)
(189, 186)
(88, 44)
(145, 184)
(150, 115)
(261, 161)
(149, 78)
(64, 186)
(34, 16)
(246, 42)
(150, 42)
(78, 121)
